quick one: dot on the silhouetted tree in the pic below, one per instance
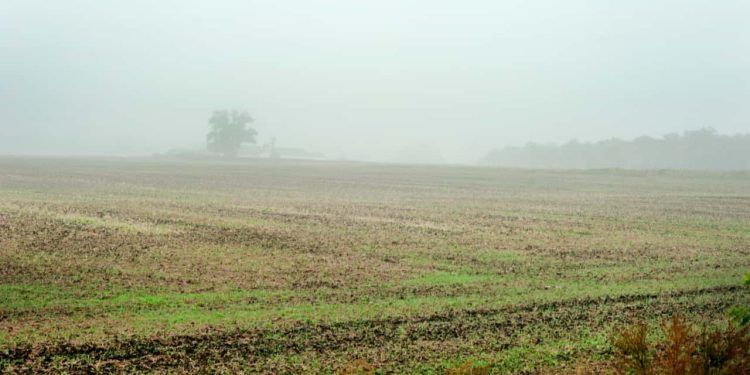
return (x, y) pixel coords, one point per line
(229, 130)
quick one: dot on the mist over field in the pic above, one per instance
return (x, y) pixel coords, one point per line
(393, 81)
(375, 187)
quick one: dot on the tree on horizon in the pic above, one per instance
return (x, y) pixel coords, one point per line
(229, 130)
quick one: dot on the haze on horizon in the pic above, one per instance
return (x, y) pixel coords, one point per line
(366, 80)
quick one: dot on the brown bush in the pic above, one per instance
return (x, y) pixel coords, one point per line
(675, 356)
(632, 349)
(721, 350)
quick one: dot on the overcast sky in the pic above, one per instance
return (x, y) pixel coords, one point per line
(368, 79)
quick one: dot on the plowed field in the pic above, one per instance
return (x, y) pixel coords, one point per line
(140, 265)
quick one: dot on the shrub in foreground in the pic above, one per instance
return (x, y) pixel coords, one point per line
(683, 349)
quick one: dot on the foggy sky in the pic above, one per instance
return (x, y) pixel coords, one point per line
(368, 79)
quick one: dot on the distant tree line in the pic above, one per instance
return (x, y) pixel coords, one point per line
(699, 149)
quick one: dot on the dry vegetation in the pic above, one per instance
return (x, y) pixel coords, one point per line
(288, 267)
(682, 349)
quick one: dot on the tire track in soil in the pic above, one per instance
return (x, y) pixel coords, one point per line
(255, 345)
